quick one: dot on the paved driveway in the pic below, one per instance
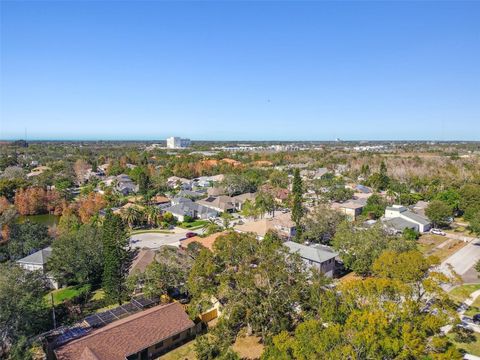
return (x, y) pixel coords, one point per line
(464, 259)
(155, 240)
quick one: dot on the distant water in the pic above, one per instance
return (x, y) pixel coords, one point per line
(46, 219)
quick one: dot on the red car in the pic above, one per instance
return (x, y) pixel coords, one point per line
(190, 234)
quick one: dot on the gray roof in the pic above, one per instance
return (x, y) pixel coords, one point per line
(415, 217)
(37, 258)
(188, 208)
(317, 253)
(396, 208)
(400, 224)
(189, 193)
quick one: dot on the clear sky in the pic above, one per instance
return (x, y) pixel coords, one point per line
(240, 70)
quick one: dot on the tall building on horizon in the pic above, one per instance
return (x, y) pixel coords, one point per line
(177, 143)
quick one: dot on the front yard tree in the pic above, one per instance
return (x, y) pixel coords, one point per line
(116, 257)
(27, 238)
(297, 209)
(438, 212)
(77, 256)
(23, 310)
(359, 248)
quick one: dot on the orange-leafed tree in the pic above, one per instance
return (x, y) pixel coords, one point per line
(90, 205)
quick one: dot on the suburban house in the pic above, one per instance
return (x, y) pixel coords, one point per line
(176, 182)
(121, 183)
(239, 200)
(279, 194)
(281, 223)
(37, 262)
(189, 194)
(185, 207)
(222, 203)
(320, 256)
(206, 242)
(314, 174)
(208, 181)
(215, 191)
(417, 221)
(142, 259)
(141, 336)
(352, 208)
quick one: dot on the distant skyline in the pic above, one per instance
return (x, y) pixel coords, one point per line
(146, 70)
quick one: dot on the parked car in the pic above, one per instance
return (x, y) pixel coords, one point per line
(437, 232)
(476, 318)
(190, 234)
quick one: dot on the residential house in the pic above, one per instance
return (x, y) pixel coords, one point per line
(215, 191)
(220, 203)
(280, 223)
(352, 208)
(191, 194)
(279, 194)
(37, 262)
(421, 223)
(419, 207)
(208, 181)
(141, 336)
(142, 259)
(314, 174)
(176, 182)
(186, 207)
(316, 255)
(240, 200)
(121, 183)
(398, 225)
(206, 242)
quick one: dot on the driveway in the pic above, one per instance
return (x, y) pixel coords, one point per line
(155, 240)
(464, 259)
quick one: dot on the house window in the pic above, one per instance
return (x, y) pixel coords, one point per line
(176, 337)
(159, 345)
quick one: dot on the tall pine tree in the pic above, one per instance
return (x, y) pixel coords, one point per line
(116, 257)
(297, 210)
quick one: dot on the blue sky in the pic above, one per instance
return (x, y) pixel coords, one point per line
(240, 70)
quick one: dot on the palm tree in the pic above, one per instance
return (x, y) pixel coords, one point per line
(131, 215)
(152, 214)
(210, 227)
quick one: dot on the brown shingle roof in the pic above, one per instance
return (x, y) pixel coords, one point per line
(129, 335)
(142, 259)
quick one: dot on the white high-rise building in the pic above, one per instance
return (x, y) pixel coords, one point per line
(177, 143)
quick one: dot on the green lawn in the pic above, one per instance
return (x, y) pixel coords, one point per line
(63, 294)
(193, 225)
(160, 231)
(184, 352)
(471, 348)
(462, 292)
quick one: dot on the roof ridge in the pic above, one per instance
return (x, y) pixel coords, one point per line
(125, 320)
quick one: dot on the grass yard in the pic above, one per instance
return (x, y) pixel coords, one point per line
(428, 242)
(462, 292)
(184, 352)
(450, 249)
(60, 295)
(159, 231)
(439, 246)
(193, 225)
(248, 347)
(471, 348)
